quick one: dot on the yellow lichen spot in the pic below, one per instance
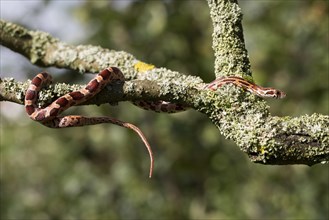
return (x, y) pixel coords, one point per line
(142, 67)
(262, 149)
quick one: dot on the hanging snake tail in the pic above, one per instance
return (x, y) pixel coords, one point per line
(77, 120)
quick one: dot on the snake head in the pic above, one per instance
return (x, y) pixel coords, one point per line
(274, 93)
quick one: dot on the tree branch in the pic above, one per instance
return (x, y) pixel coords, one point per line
(240, 116)
(231, 56)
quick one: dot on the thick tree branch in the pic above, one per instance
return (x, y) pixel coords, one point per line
(240, 116)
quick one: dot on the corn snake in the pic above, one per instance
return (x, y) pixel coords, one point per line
(49, 116)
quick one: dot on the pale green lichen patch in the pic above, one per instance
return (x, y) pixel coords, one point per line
(40, 42)
(13, 90)
(18, 35)
(47, 94)
(297, 138)
(103, 58)
(315, 125)
(62, 88)
(67, 56)
(171, 84)
(13, 29)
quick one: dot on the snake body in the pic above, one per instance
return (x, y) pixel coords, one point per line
(49, 116)
(249, 86)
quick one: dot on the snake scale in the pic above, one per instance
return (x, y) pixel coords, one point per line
(49, 116)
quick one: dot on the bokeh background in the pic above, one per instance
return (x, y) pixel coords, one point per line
(100, 172)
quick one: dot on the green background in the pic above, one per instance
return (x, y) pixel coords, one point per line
(101, 172)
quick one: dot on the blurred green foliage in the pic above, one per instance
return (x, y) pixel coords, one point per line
(100, 172)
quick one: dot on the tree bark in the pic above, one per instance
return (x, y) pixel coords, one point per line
(239, 116)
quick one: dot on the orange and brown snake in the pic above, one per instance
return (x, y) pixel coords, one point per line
(49, 116)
